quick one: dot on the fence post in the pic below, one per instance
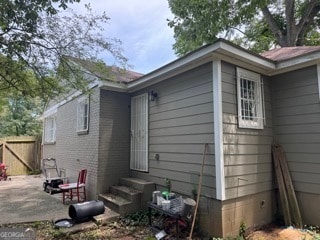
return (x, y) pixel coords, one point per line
(4, 151)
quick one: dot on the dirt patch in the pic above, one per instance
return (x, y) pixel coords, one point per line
(120, 230)
(115, 230)
(272, 232)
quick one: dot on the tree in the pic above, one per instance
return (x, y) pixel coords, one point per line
(21, 116)
(256, 24)
(35, 37)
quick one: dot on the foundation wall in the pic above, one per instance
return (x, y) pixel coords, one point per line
(309, 208)
(253, 211)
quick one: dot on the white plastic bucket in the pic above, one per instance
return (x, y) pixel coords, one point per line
(155, 195)
(166, 204)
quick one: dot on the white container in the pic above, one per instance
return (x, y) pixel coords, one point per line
(155, 195)
(160, 200)
(166, 204)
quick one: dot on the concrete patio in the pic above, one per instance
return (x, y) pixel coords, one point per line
(23, 200)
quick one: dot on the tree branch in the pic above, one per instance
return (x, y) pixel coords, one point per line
(311, 10)
(273, 25)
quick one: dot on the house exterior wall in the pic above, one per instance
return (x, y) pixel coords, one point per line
(72, 151)
(247, 152)
(248, 164)
(114, 139)
(180, 122)
(252, 210)
(49, 151)
(296, 118)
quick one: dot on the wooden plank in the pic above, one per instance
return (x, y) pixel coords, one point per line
(22, 139)
(19, 158)
(4, 152)
(295, 211)
(282, 189)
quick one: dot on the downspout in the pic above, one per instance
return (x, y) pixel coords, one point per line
(218, 130)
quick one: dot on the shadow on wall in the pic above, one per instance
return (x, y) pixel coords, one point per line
(114, 139)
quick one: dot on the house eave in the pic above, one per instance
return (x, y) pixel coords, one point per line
(296, 63)
(176, 67)
(219, 50)
(113, 86)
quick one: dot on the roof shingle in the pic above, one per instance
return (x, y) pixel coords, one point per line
(285, 53)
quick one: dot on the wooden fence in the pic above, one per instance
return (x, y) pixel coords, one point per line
(21, 155)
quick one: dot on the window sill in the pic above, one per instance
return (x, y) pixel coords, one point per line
(49, 143)
(83, 132)
(248, 126)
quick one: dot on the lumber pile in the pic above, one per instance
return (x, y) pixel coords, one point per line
(289, 203)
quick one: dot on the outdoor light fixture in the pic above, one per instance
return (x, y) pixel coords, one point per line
(153, 96)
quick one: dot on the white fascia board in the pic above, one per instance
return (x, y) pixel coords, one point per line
(180, 65)
(113, 86)
(218, 130)
(246, 56)
(49, 112)
(310, 59)
(55, 107)
(318, 73)
(297, 63)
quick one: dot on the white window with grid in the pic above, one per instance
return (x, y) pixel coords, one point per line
(50, 129)
(250, 105)
(83, 115)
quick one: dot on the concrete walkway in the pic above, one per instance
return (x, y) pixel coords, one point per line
(23, 200)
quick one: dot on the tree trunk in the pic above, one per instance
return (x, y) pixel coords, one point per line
(292, 34)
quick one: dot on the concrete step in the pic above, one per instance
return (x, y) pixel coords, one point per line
(127, 193)
(145, 187)
(137, 183)
(119, 204)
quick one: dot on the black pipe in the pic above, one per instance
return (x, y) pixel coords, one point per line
(86, 210)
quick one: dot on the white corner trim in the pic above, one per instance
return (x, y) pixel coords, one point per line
(218, 130)
(318, 73)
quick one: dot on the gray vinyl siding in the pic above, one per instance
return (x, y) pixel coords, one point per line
(180, 122)
(75, 152)
(297, 125)
(114, 139)
(247, 152)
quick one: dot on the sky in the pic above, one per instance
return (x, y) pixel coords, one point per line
(142, 27)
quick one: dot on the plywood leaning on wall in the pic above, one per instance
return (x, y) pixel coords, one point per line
(289, 203)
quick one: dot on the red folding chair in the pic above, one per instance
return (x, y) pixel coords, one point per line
(69, 190)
